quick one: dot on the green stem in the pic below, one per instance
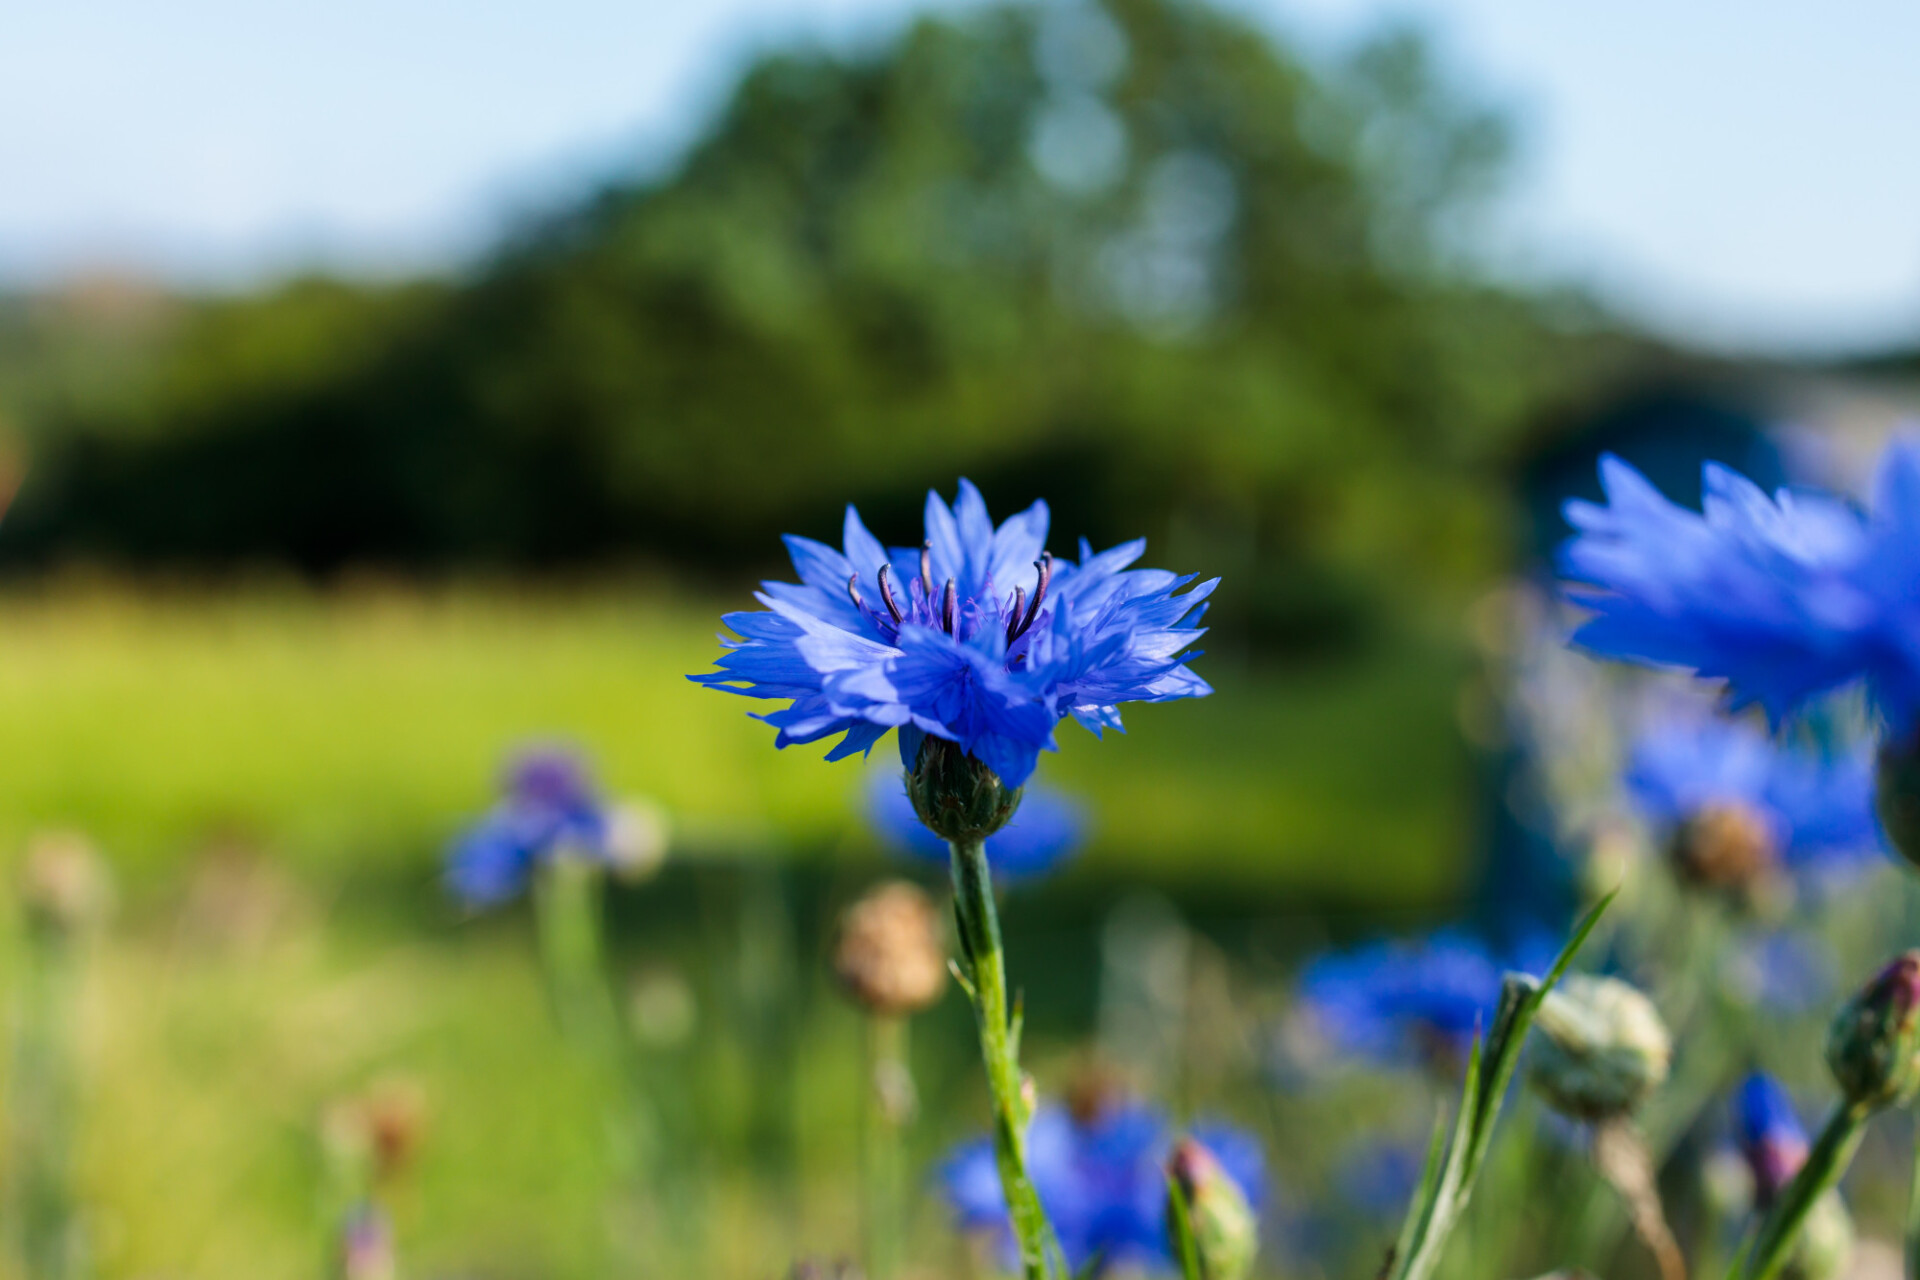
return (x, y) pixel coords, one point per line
(889, 1102)
(1913, 1214)
(569, 919)
(43, 1214)
(1832, 1152)
(567, 910)
(984, 966)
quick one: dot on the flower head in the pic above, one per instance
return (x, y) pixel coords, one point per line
(1602, 1048)
(1770, 1135)
(549, 805)
(1739, 806)
(978, 637)
(1045, 831)
(1873, 1046)
(891, 958)
(1398, 999)
(1781, 597)
(1102, 1179)
(1221, 1224)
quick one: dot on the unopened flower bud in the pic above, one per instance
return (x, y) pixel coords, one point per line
(64, 884)
(379, 1131)
(1772, 1141)
(1826, 1242)
(957, 797)
(1603, 1048)
(662, 1008)
(638, 834)
(1873, 1047)
(890, 958)
(1897, 795)
(1729, 847)
(1225, 1231)
(366, 1245)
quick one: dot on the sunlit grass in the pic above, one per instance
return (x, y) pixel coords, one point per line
(274, 771)
(355, 730)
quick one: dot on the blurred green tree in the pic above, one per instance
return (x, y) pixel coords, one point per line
(1133, 256)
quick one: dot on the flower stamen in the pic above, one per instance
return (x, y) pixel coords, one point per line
(1045, 565)
(950, 607)
(886, 593)
(926, 568)
(1013, 612)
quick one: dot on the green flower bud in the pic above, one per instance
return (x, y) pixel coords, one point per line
(956, 796)
(1826, 1242)
(1728, 848)
(1873, 1047)
(1226, 1234)
(64, 884)
(1897, 796)
(1603, 1048)
(891, 957)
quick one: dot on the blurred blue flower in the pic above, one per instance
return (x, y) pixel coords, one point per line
(1781, 597)
(1818, 814)
(1395, 1000)
(1771, 1138)
(1046, 829)
(1102, 1180)
(1782, 972)
(1378, 1176)
(978, 636)
(548, 804)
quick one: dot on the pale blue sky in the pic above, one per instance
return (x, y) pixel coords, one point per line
(1740, 171)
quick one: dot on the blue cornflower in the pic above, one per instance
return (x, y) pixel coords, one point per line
(1047, 829)
(1781, 972)
(1102, 1179)
(1724, 778)
(1781, 597)
(1378, 1176)
(1770, 1135)
(978, 636)
(1392, 1000)
(548, 805)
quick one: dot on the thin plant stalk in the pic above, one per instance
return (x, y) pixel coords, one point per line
(1454, 1160)
(43, 1217)
(1779, 1232)
(1913, 1213)
(568, 912)
(889, 1107)
(567, 909)
(983, 974)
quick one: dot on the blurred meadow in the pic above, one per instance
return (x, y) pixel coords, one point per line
(291, 569)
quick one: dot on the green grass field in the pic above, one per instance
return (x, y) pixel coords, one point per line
(274, 772)
(354, 731)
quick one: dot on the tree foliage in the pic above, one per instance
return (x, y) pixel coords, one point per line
(1135, 258)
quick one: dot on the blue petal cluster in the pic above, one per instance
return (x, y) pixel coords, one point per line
(548, 804)
(978, 637)
(1046, 830)
(1379, 1176)
(1769, 1133)
(1819, 812)
(1782, 597)
(1781, 972)
(1399, 1000)
(1102, 1181)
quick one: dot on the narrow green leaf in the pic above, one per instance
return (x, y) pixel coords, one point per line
(1185, 1247)
(1447, 1184)
(1573, 946)
(1424, 1193)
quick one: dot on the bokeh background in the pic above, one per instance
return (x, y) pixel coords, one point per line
(382, 386)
